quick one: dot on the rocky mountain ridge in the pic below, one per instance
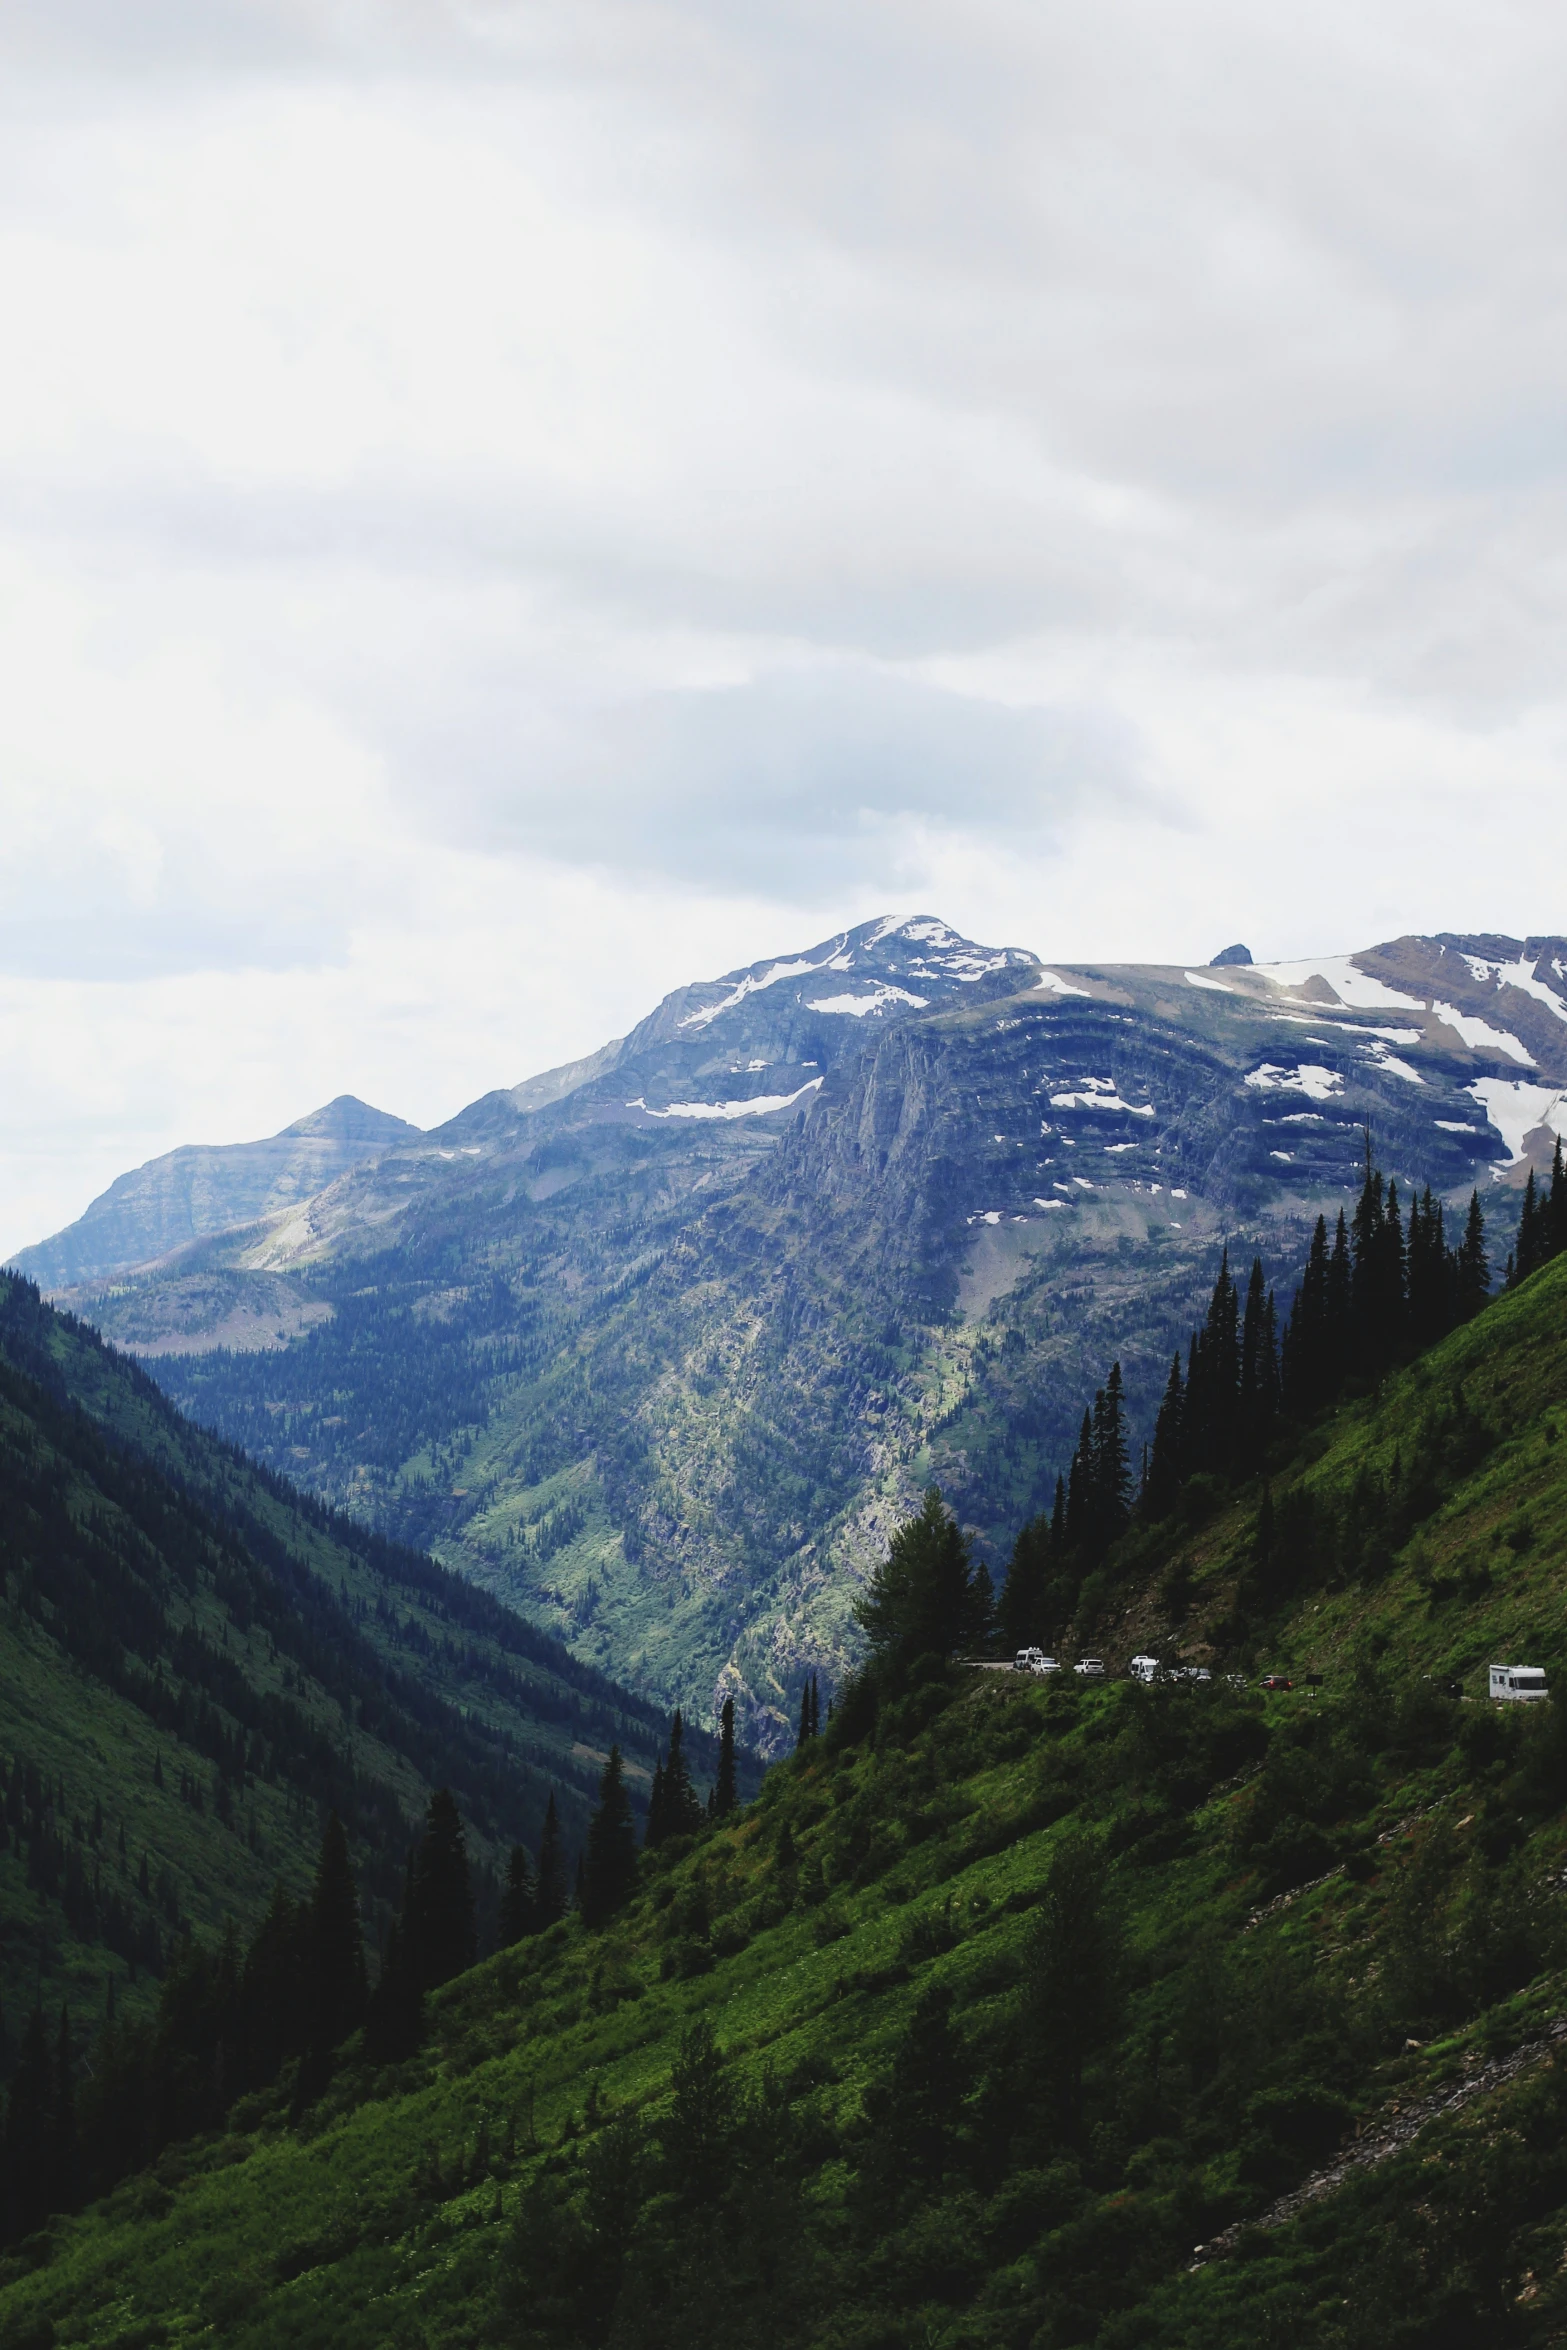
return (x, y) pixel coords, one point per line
(203, 1188)
(661, 1346)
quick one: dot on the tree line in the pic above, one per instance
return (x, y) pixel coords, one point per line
(232, 2020)
(1386, 1283)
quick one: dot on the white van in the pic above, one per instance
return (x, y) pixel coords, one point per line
(1519, 1684)
(1092, 1668)
(1034, 1660)
(1145, 1668)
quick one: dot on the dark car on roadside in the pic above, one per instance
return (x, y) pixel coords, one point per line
(1277, 1681)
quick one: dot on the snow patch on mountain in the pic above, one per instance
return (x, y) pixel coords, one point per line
(760, 1105)
(857, 1006)
(1520, 975)
(752, 984)
(1053, 984)
(1308, 1078)
(1480, 1036)
(1349, 983)
(1381, 1058)
(1517, 1109)
(1198, 979)
(1099, 1093)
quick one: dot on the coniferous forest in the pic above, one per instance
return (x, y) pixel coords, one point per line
(1010, 2010)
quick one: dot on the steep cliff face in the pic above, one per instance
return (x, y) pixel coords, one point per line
(665, 1356)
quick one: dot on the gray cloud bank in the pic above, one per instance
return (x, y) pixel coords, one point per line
(735, 445)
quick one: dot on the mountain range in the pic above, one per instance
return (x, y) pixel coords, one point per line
(659, 1346)
(210, 1187)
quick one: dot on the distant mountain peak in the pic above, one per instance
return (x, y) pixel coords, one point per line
(203, 1188)
(877, 957)
(347, 1119)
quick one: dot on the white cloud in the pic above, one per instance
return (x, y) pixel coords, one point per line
(487, 490)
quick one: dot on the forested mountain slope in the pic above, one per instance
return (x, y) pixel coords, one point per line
(1013, 2014)
(211, 1187)
(661, 1347)
(197, 1662)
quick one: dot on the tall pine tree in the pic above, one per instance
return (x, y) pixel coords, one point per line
(609, 1874)
(551, 1896)
(519, 1907)
(927, 1598)
(439, 1921)
(338, 1987)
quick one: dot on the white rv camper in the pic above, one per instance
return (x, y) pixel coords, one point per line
(1518, 1684)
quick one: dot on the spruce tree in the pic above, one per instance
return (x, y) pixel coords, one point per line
(1307, 1373)
(1378, 1277)
(1021, 1609)
(1219, 1386)
(609, 1871)
(915, 2111)
(439, 1922)
(1259, 1373)
(1111, 1469)
(816, 1707)
(275, 1989)
(394, 2022)
(926, 1598)
(1529, 1250)
(1080, 1489)
(518, 1912)
(702, 2119)
(551, 1896)
(1166, 1460)
(338, 1986)
(655, 1830)
(1339, 1331)
(1072, 1964)
(724, 1794)
(804, 1730)
(682, 1804)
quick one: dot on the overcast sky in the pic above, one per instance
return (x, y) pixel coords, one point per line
(504, 509)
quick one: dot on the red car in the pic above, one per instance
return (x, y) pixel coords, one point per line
(1277, 1681)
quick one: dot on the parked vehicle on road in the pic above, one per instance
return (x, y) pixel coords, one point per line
(1277, 1681)
(1091, 1668)
(1519, 1684)
(1145, 1668)
(1034, 1660)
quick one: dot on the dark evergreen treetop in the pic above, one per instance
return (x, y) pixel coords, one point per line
(609, 1872)
(550, 1899)
(519, 1903)
(338, 1984)
(439, 1923)
(674, 1808)
(927, 1598)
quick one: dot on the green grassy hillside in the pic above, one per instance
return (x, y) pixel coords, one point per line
(195, 1663)
(1014, 2018)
